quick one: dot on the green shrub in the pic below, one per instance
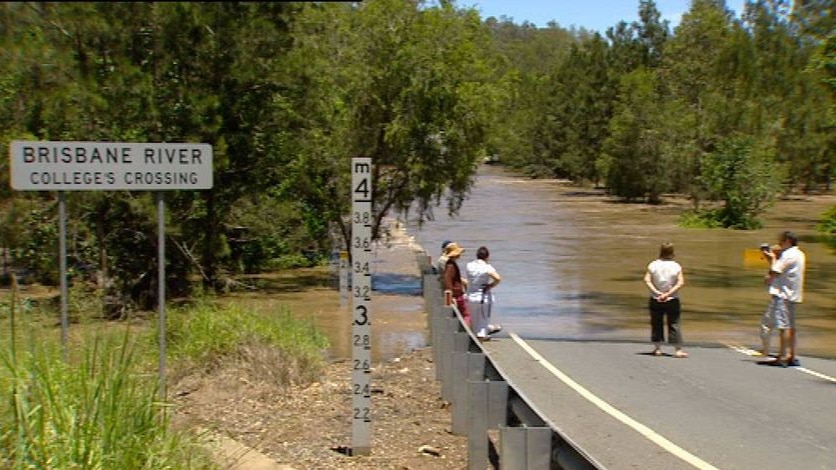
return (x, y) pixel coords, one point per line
(699, 219)
(827, 227)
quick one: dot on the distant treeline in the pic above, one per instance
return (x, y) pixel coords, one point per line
(723, 109)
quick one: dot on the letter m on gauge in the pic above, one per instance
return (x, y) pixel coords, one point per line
(361, 175)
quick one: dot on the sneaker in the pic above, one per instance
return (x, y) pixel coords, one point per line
(483, 338)
(494, 329)
(794, 362)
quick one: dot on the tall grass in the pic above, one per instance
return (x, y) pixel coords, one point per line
(99, 411)
(101, 408)
(277, 346)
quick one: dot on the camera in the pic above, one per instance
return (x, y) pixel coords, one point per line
(764, 246)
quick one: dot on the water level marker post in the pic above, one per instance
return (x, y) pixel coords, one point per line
(361, 293)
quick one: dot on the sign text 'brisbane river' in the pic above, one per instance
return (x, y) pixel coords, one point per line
(85, 166)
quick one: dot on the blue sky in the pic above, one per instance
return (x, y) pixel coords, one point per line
(596, 15)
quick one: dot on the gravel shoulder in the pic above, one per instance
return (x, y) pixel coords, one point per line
(309, 427)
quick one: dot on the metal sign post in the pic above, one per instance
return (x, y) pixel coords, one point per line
(361, 344)
(111, 166)
(161, 287)
(62, 273)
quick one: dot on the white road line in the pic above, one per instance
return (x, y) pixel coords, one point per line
(752, 352)
(614, 412)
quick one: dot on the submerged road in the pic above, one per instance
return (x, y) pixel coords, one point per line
(719, 408)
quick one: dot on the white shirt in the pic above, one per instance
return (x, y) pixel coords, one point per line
(479, 275)
(440, 264)
(664, 274)
(789, 284)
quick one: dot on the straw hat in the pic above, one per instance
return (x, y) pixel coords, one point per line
(453, 249)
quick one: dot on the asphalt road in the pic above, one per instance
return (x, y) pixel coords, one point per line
(719, 408)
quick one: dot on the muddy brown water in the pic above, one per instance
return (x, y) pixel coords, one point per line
(572, 263)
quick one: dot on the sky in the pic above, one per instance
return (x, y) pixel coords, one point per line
(596, 15)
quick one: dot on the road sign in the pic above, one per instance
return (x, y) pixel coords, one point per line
(105, 166)
(361, 288)
(110, 166)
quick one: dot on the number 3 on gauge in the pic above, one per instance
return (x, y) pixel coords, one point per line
(361, 316)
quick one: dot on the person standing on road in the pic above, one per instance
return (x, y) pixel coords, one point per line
(482, 277)
(664, 278)
(768, 318)
(789, 290)
(453, 280)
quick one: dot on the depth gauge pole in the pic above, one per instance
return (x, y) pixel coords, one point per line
(361, 287)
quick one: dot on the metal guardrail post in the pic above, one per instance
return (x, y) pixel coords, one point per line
(481, 398)
(430, 289)
(488, 410)
(448, 333)
(497, 404)
(525, 448)
(438, 325)
(468, 366)
(477, 437)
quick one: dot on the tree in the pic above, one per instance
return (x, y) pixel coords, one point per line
(690, 75)
(410, 89)
(744, 176)
(634, 154)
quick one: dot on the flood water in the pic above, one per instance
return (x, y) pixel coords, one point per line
(572, 264)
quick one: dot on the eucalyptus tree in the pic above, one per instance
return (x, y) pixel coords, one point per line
(634, 160)
(640, 43)
(690, 70)
(582, 107)
(407, 86)
(816, 22)
(527, 58)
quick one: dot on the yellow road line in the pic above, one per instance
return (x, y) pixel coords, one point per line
(614, 412)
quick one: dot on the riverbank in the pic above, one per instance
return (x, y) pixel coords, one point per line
(253, 424)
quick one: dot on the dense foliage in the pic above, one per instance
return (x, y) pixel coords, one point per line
(731, 110)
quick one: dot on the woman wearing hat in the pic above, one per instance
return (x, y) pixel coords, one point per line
(453, 280)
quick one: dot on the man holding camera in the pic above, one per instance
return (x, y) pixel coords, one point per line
(788, 290)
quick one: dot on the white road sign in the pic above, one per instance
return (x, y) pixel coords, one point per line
(106, 166)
